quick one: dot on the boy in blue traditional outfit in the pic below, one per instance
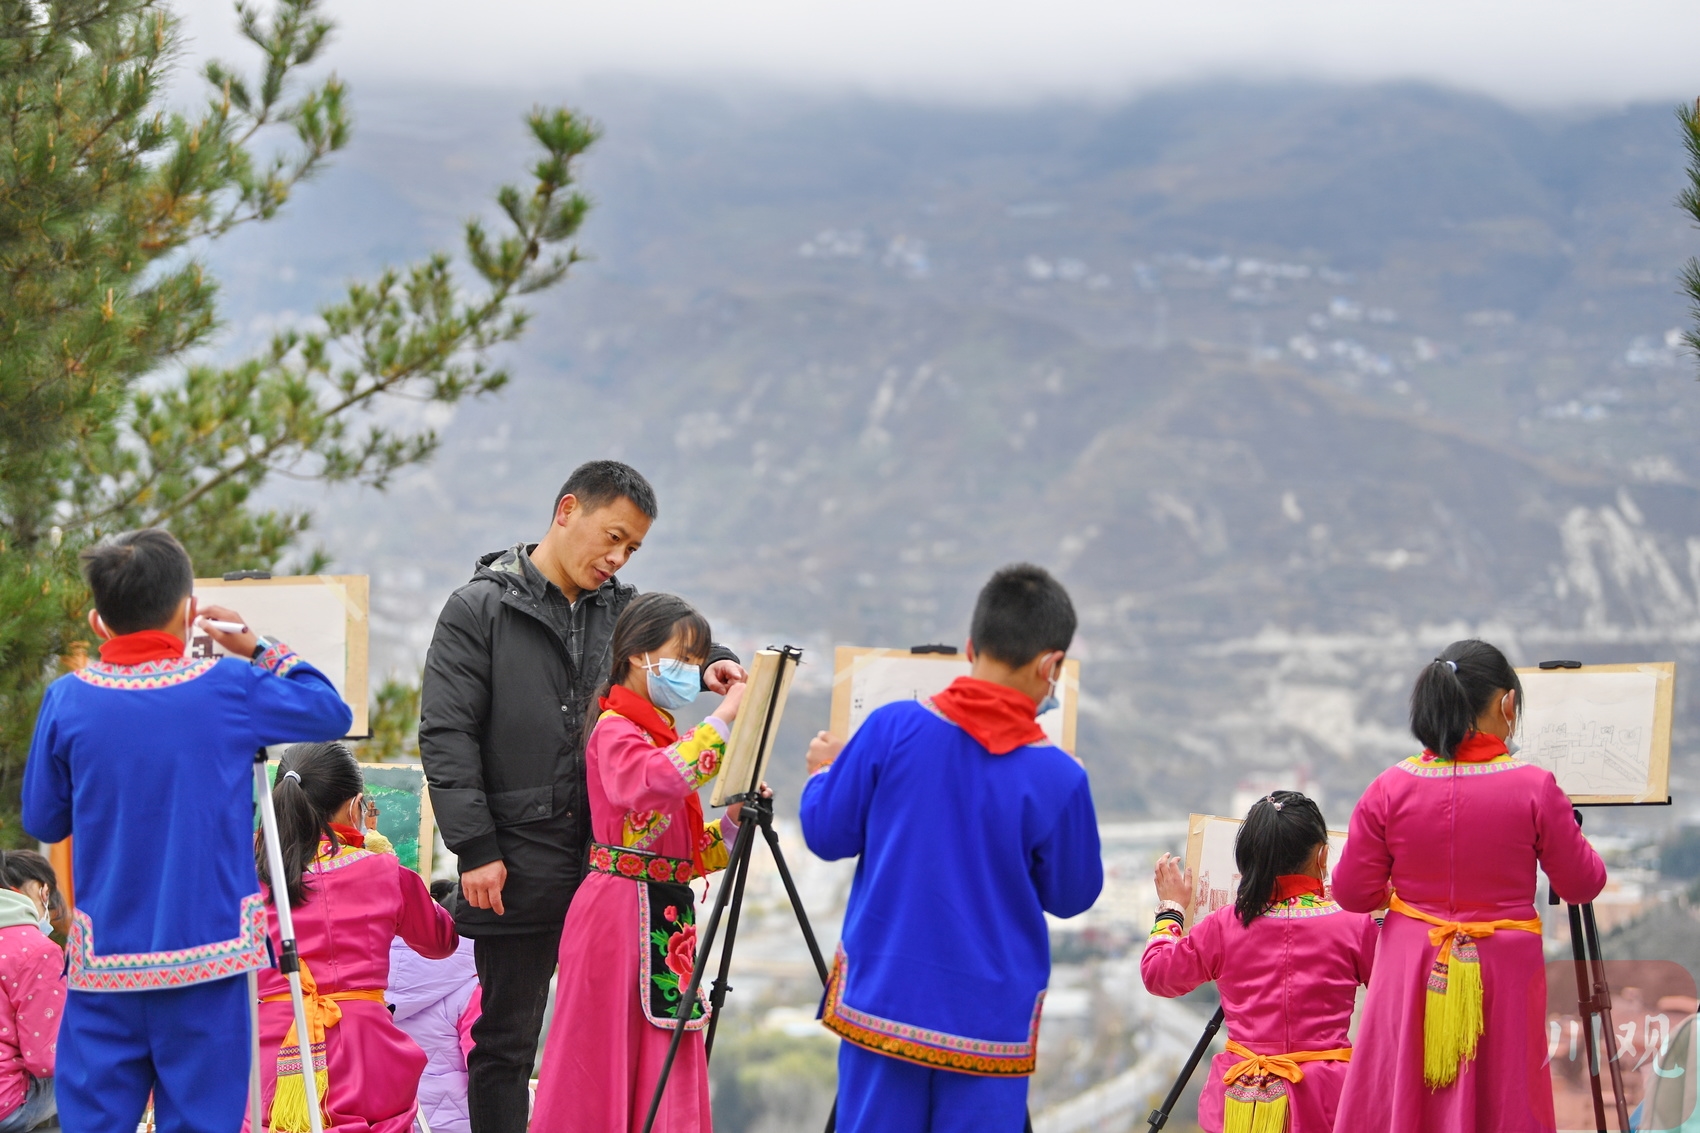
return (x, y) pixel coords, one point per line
(970, 826)
(147, 757)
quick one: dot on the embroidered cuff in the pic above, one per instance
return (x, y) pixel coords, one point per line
(278, 659)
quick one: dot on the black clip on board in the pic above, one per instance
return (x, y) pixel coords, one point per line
(946, 650)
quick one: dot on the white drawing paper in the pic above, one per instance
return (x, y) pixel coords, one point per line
(1215, 877)
(312, 619)
(880, 680)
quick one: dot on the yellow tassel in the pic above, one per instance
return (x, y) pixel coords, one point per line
(289, 1103)
(1452, 1022)
(1255, 1117)
(1270, 1117)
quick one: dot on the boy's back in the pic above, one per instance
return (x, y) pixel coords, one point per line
(946, 951)
(151, 766)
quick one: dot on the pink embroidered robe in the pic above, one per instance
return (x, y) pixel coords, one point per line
(357, 903)
(1288, 983)
(602, 1057)
(1459, 842)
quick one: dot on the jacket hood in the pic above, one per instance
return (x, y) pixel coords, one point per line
(506, 569)
(17, 909)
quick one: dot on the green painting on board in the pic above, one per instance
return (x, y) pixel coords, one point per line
(398, 789)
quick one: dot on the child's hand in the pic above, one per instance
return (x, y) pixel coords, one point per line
(1174, 883)
(734, 699)
(236, 644)
(736, 810)
(823, 749)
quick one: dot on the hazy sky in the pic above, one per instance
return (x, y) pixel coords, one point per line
(1528, 51)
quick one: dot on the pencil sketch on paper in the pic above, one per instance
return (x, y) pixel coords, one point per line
(1597, 732)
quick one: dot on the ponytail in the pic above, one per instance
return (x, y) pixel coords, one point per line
(1454, 690)
(1280, 833)
(314, 781)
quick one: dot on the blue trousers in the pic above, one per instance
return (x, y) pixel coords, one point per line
(188, 1046)
(877, 1094)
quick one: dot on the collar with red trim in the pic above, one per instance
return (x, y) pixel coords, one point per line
(139, 648)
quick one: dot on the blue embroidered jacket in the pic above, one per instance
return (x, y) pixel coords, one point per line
(945, 952)
(151, 766)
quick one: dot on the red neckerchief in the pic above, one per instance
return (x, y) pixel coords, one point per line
(998, 716)
(1478, 747)
(645, 715)
(1290, 885)
(349, 836)
(139, 648)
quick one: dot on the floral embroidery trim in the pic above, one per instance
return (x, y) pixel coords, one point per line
(146, 676)
(1304, 905)
(650, 981)
(1441, 769)
(639, 865)
(278, 659)
(922, 1046)
(697, 756)
(179, 967)
(1164, 929)
(345, 856)
(641, 828)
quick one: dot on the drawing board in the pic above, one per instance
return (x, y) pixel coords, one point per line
(323, 617)
(771, 672)
(1602, 730)
(1210, 859)
(864, 679)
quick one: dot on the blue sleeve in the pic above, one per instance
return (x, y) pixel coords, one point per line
(47, 778)
(1067, 867)
(289, 701)
(836, 802)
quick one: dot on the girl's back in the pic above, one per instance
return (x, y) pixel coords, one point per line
(1288, 983)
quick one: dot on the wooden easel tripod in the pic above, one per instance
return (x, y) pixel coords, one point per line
(1593, 998)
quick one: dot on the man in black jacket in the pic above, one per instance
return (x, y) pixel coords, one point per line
(519, 653)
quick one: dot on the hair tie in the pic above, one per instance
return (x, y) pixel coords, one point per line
(292, 774)
(1270, 799)
(1453, 665)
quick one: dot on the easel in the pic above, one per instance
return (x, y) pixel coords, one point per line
(1160, 1116)
(757, 815)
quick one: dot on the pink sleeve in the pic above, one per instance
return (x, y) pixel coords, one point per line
(474, 1008)
(1174, 965)
(1369, 936)
(637, 775)
(1575, 870)
(1359, 883)
(424, 925)
(41, 1003)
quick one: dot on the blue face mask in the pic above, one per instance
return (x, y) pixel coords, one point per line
(1051, 700)
(672, 683)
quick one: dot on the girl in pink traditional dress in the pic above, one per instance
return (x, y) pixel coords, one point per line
(348, 903)
(1453, 1030)
(1287, 962)
(630, 936)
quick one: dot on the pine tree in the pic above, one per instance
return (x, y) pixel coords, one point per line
(1689, 201)
(107, 422)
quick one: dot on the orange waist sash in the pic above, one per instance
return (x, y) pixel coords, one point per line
(1280, 1065)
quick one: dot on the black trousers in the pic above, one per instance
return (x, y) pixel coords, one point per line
(513, 972)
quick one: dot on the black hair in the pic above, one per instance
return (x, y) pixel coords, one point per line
(20, 866)
(314, 781)
(1280, 833)
(1022, 612)
(138, 578)
(598, 483)
(646, 625)
(1454, 690)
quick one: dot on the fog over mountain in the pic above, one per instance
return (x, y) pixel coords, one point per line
(1290, 384)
